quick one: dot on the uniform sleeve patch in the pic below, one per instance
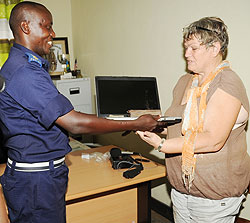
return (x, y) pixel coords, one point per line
(32, 58)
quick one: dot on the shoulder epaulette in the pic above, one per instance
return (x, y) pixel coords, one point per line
(32, 58)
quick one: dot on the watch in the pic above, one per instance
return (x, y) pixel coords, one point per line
(161, 144)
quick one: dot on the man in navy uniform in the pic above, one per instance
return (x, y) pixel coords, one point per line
(35, 119)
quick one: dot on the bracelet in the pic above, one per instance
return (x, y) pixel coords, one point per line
(161, 144)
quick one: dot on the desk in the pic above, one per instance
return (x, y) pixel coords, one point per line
(98, 193)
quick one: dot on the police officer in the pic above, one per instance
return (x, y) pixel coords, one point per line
(35, 119)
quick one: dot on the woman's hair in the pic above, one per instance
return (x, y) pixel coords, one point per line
(208, 30)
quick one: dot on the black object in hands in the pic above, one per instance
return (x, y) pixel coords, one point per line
(165, 121)
(170, 120)
(158, 129)
(162, 122)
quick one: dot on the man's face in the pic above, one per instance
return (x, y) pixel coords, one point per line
(41, 32)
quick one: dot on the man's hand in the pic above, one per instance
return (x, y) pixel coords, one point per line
(147, 122)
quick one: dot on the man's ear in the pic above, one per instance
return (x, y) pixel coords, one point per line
(25, 27)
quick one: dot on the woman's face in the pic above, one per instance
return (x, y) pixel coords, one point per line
(198, 56)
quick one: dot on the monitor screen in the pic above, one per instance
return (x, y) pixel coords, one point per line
(115, 95)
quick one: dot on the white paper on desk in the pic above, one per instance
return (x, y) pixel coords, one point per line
(99, 157)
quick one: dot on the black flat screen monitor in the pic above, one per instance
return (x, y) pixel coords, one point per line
(115, 95)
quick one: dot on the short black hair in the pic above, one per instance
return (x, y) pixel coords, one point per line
(17, 14)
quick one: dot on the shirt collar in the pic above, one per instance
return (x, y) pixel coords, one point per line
(45, 63)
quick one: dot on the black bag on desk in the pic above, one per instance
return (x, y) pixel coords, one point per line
(122, 161)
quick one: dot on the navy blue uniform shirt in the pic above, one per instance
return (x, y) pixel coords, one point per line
(29, 106)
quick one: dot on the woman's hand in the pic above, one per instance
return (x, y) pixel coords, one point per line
(150, 138)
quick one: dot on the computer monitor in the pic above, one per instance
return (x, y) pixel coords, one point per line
(115, 95)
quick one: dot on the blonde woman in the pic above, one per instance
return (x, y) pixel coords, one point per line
(206, 155)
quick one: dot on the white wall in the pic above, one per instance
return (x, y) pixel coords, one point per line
(144, 38)
(62, 19)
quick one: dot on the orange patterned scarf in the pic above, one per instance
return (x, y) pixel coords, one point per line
(193, 122)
